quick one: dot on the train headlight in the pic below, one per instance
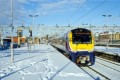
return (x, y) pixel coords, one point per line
(90, 51)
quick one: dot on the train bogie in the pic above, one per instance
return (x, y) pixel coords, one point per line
(84, 58)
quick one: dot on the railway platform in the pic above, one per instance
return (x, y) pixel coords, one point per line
(40, 62)
(104, 68)
(108, 50)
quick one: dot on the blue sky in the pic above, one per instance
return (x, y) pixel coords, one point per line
(61, 12)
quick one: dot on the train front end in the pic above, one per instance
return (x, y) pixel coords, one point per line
(80, 45)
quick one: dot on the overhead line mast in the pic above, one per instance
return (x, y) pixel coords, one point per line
(12, 27)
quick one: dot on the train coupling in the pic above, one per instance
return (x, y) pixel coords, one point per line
(82, 59)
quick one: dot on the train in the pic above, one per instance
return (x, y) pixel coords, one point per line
(6, 44)
(79, 44)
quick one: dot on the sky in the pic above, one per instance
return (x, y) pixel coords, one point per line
(60, 12)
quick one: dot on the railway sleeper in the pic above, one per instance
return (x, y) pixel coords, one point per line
(115, 58)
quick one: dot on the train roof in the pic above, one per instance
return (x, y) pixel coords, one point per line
(7, 38)
(81, 30)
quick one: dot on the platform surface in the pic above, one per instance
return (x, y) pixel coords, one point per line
(42, 62)
(108, 50)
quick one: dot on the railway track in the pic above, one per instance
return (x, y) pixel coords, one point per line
(102, 70)
(115, 63)
(111, 57)
(105, 71)
(108, 67)
(99, 73)
(94, 73)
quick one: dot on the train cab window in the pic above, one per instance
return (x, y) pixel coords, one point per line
(82, 38)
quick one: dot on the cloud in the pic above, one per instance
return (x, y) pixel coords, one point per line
(22, 8)
(18, 11)
(61, 4)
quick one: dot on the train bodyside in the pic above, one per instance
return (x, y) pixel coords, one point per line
(6, 44)
(80, 46)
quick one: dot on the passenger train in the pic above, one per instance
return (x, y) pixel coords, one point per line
(6, 44)
(80, 45)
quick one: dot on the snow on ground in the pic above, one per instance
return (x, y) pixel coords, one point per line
(108, 50)
(112, 71)
(42, 62)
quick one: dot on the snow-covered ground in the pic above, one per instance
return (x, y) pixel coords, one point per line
(105, 67)
(110, 70)
(42, 62)
(108, 50)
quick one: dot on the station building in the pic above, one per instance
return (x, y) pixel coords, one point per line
(110, 37)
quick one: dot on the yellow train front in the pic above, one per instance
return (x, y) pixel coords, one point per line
(80, 46)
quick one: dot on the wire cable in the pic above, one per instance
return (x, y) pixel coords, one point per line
(103, 13)
(76, 11)
(90, 11)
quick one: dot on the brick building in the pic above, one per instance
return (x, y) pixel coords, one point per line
(15, 39)
(110, 37)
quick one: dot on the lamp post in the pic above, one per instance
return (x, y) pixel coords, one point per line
(84, 25)
(96, 37)
(106, 16)
(112, 39)
(40, 32)
(1, 36)
(91, 27)
(33, 16)
(19, 34)
(12, 27)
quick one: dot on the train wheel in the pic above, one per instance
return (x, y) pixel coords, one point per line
(91, 63)
(86, 62)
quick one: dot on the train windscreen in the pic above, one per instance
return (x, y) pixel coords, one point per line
(7, 40)
(81, 37)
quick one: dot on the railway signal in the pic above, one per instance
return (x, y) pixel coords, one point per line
(30, 33)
